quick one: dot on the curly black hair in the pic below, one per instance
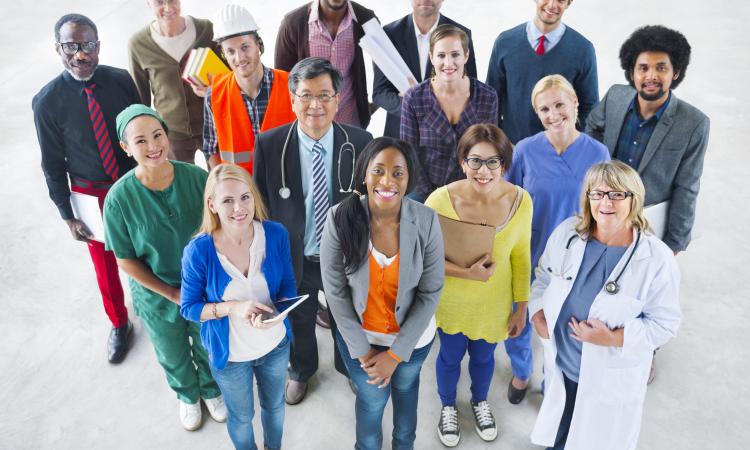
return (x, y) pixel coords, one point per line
(656, 38)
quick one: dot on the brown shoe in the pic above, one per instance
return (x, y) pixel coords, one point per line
(295, 392)
(323, 318)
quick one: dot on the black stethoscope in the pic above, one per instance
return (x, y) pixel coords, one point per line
(611, 287)
(347, 146)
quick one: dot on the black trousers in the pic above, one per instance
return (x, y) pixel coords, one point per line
(571, 389)
(304, 349)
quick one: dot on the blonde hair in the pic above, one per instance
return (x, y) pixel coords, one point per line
(223, 172)
(620, 177)
(552, 82)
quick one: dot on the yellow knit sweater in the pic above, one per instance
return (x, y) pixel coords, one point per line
(481, 310)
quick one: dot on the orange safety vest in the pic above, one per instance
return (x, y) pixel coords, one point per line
(234, 130)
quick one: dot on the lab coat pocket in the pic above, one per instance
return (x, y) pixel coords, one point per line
(616, 310)
(622, 385)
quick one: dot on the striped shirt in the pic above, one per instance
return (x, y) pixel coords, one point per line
(339, 50)
(256, 110)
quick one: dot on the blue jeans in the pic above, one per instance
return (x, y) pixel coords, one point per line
(236, 383)
(519, 351)
(371, 401)
(448, 366)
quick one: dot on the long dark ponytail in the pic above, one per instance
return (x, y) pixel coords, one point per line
(351, 218)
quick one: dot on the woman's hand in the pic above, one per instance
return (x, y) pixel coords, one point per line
(380, 368)
(249, 310)
(364, 360)
(540, 324)
(481, 270)
(517, 321)
(596, 332)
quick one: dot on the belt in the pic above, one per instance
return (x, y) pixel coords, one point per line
(86, 184)
(313, 258)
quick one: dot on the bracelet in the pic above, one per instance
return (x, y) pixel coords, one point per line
(213, 309)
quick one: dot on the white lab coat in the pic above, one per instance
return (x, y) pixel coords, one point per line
(612, 381)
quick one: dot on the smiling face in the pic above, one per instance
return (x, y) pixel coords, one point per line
(483, 179)
(550, 12)
(610, 215)
(80, 65)
(233, 203)
(556, 110)
(146, 141)
(449, 58)
(243, 55)
(387, 179)
(165, 11)
(653, 75)
(315, 117)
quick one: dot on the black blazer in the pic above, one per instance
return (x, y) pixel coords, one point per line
(267, 174)
(384, 93)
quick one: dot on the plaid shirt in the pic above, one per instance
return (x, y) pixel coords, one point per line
(340, 51)
(635, 134)
(425, 126)
(256, 110)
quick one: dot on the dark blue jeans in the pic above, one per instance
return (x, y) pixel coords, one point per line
(571, 389)
(453, 347)
(371, 400)
(236, 383)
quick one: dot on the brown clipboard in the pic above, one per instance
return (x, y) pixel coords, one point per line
(466, 242)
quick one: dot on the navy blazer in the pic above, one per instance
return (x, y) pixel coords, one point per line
(384, 93)
(672, 164)
(267, 174)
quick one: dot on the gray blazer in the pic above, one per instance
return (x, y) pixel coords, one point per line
(420, 280)
(673, 162)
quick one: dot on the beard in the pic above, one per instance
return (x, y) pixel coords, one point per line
(652, 97)
(77, 78)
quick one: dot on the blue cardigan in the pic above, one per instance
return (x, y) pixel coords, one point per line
(204, 281)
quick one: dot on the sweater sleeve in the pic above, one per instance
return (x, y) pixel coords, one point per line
(587, 85)
(288, 288)
(496, 77)
(285, 55)
(193, 285)
(520, 255)
(139, 74)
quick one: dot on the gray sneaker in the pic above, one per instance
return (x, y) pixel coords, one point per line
(448, 430)
(484, 421)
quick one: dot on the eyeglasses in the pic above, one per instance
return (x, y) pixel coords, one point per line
(491, 163)
(612, 195)
(71, 48)
(308, 98)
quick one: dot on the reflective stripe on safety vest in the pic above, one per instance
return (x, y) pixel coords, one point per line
(238, 158)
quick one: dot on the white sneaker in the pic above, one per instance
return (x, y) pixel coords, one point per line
(484, 421)
(448, 430)
(216, 407)
(190, 415)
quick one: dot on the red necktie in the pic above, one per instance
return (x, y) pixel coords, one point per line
(540, 46)
(109, 162)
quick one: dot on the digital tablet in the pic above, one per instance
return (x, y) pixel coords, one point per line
(281, 315)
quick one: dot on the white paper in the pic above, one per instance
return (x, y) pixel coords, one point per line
(382, 51)
(658, 218)
(86, 209)
(280, 316)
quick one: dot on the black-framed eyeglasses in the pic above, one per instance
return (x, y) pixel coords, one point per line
(71, 48)
(613, 195)
(475, 163)
(308, 98)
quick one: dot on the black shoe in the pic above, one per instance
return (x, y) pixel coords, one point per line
(515, 396)
(118, 343)
(322, 318)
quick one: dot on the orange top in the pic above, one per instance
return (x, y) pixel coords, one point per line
(380, 312)
(233, 128)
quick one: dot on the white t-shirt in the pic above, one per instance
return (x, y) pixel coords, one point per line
(175, 46)
(246, 342)
(386, 340)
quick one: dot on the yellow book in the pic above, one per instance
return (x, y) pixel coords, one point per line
(210, 63)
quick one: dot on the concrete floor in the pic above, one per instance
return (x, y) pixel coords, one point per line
(59, 391)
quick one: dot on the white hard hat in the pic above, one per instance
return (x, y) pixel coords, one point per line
(232, 20)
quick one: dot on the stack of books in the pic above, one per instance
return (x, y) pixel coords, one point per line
(200, 63)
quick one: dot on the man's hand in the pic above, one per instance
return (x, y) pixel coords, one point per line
(79, 230)
(199, 88)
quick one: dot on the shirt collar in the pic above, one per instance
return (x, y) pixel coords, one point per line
(429, 32)
(533, 34)
(307, 142)
(315, 13)
(659, 112)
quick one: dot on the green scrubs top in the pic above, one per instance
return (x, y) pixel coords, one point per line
(154, 227)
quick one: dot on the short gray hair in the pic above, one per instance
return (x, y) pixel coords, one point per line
(313, 67)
